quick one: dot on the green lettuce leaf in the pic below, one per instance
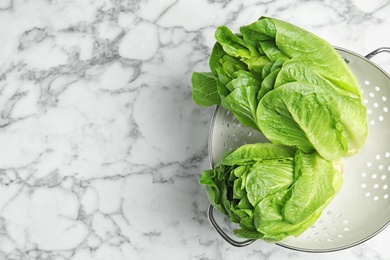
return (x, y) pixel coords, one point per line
(206, 92)
(309, 118)
(317, 181)
(260, 183)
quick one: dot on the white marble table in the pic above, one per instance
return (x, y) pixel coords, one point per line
(101, 146)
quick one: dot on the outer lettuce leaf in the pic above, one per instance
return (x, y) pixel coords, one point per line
(309, 117)
(252, 153)
(353, 122)
(214, 188)
(270, 222)
(216, 54)
(317, 182)
(243, 103)
(295, 71)
(314, 117)
(260, 183)
(205, 92)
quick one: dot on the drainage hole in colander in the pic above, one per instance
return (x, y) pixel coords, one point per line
(377, 88)
(384, 99)
(366, 82)
(386, 196)
(329, 229)
(383, 177)
(385, 109)
(369, 111)
(371, 94)
(385, 187)
(367, 194)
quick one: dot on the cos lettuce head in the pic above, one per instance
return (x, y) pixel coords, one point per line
(287, 83)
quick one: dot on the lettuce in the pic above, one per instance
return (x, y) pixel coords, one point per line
(299, 92)
(271, 191)
(287, 83)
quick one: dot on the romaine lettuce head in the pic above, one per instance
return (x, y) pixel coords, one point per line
(288, 83)
(271, 191)
(299, 92)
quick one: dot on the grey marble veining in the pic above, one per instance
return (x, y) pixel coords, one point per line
(101, 146)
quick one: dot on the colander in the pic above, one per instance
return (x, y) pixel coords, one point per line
(362, 207)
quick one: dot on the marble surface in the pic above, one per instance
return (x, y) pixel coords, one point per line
(101, 146)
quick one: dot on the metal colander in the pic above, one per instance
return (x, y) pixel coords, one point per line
(362, 207)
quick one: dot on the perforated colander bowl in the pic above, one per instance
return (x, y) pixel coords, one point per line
(362, 207)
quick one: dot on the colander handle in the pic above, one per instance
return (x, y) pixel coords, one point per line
(377, 51)
(223, 234)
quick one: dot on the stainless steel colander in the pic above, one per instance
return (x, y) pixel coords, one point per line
(362, 207)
